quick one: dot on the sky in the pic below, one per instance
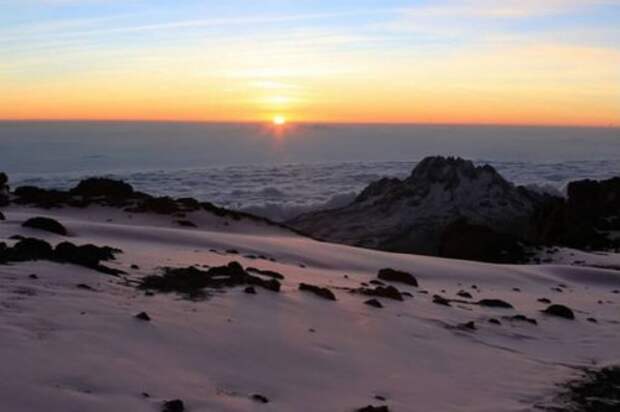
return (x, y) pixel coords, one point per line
(547, 62)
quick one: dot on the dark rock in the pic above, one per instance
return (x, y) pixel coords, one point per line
(389, 292)
(192, 282)
(468, 326)
(544, 300)
(29, 249)
(2, 216)
(143, 316)
(46, 224)
(592, 320)
(268, 273)
(560, 311)
(376, 282)
(380, 398)
(374, 303)
(186, 223)
(250, 290)
(522, 318)
(135, 267)
(440, 300)
(33, 276)
(371, 408)
(176, 405)
(87, 255)
(494, 303)
(84, 286)
(103, 187)
(260, 398)
(4, 192)
(464, 294)
(392, 275)
(319, 291)
(42, 198)
(462, 240)
(159, 205)
(495, 321)
(232, 251)
(595, 391)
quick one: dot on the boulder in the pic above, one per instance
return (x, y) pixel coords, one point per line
(175, 405)
(46, 224)
(495, 303)
(317, 290)
(391, 275)
(560, 311)
(103, 187)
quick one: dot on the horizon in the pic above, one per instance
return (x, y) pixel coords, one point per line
(455, 63)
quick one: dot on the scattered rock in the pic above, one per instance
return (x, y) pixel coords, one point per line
(495, 303)
(143, 316)
(103, 187)
(192, 282)
(464, 294)
(495, 321)
(468, 326)
(260, 398)
(560, 311)
(319, 291)
(440, 300)
(389, 292)
(392, 275)
(269, 273)
(186, 223)
(232, 251)
(250, 290)
(88, 255)
(84, 286)
(374, 303)
(371, 408)
(522, 318)
(176, 405)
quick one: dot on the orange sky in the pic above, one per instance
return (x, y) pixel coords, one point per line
(374, 70)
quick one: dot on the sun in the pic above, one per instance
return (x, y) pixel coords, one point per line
(279, 120)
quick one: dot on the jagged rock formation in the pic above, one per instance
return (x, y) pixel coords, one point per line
(4, 190)
(588, 217)
(412, 215)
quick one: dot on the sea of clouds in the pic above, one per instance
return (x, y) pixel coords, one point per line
(281, 192)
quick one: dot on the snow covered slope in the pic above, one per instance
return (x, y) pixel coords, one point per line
(68, 348)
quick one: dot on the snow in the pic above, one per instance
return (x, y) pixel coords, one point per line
(68, 349)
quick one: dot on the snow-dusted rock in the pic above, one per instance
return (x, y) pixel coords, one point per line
(411, 215)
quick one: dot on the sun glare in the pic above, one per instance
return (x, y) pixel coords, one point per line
(279, 120)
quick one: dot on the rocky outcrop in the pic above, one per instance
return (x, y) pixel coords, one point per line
(585, 219)
(4, 190)
(451, 208)
(418, 214)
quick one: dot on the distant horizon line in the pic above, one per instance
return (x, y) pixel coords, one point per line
(313, 123)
